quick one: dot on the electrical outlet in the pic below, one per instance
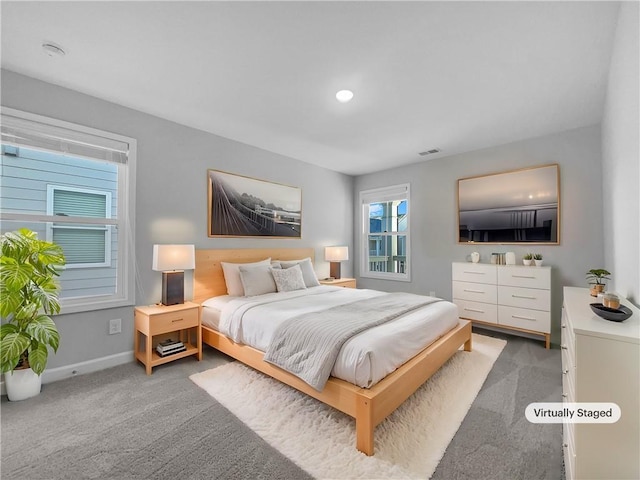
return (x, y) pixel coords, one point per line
(115, 326)
(432, 294)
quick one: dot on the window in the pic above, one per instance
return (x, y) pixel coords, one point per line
(84, 246)
(385, 215)
(71, 185)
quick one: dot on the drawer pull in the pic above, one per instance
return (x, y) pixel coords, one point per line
(564, 395)
(475, 273)
(474, 310)
(523, 276)
(563, 347)
(564, 372)
(523, 318)
(564, 325)
(565, 445)
(177, 320)
(473, 291)
(523, 296)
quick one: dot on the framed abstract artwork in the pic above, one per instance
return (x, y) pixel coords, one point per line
(240, 206)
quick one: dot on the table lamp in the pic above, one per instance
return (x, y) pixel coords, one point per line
(335, 255)
(172, 261)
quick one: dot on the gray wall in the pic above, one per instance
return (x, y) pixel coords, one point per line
(171, 200)
(433, 212)
(621, 153)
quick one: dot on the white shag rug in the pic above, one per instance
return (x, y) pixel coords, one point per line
(408, 444)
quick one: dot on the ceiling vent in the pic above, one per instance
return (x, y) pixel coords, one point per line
(429, 152)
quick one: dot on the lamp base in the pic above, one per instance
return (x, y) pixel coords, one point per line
(172, 288)
(334, 270)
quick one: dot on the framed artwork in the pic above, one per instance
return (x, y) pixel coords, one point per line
(518, 206)
(242, 206)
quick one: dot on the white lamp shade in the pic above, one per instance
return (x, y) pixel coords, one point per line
(336, 254)
(173, 257)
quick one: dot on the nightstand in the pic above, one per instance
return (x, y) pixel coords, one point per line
(155, 323)
(340, 282)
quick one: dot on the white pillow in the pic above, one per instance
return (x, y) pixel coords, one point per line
(288, 279)
(309, 275)
(257, 280)
(232, 275)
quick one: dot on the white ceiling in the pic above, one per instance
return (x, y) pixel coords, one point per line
(458, 76)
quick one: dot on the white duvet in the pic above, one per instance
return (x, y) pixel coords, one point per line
(365, 359)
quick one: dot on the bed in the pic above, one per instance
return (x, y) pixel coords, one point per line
(368, 406)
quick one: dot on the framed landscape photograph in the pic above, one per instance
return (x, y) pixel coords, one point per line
(240, 206)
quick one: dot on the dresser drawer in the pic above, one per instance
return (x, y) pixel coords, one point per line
(530, 277)
(535, 320)
(524, 297)
(568, 434)
(484, 312)
(474, 272)
(475, 292)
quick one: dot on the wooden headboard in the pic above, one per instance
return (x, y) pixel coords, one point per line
(208, 279)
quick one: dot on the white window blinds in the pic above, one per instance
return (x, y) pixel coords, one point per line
(33, 134)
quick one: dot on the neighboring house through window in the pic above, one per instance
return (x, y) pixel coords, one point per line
(385, 222)
(71, 185)
(84, 246)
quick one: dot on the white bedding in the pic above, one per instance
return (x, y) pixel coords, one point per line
(365, 359)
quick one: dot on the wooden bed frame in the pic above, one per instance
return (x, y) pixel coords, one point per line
(369, 406)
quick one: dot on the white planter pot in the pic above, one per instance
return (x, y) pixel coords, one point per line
(527, 262)
(538, 263)
(22, 384)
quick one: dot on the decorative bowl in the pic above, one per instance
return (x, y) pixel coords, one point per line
(613, 314)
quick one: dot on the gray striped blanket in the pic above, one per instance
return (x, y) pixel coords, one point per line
(307, 345)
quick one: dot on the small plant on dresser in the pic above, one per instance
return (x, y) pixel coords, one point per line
(596, 278)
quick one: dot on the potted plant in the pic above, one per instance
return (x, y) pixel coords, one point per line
(29, 295)
(527, 259)
(596, 277)
(537, 258)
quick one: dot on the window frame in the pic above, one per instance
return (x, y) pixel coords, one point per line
(124, 294)
(51, 226)
(384, 194)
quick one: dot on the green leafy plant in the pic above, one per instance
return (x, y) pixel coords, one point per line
(537, 256)
(528, 256)
(597, 276)
(29, 294)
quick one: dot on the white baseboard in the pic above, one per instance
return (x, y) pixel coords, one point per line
(90, 366)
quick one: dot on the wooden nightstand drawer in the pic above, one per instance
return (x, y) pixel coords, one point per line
(340, 282)
(172, 321)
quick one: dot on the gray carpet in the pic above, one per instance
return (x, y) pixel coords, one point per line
(495, 441)
(123, 424)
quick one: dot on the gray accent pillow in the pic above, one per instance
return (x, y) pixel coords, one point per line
(309, 275)
(288, 279)
(257, 280)
(232, 275)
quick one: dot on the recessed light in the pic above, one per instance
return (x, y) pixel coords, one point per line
(53, 50)
(344, 96)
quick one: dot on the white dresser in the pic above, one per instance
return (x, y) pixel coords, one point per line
(600, 363)
(513, 297)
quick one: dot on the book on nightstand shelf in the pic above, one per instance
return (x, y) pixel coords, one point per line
(171, 351)
(169, 347)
